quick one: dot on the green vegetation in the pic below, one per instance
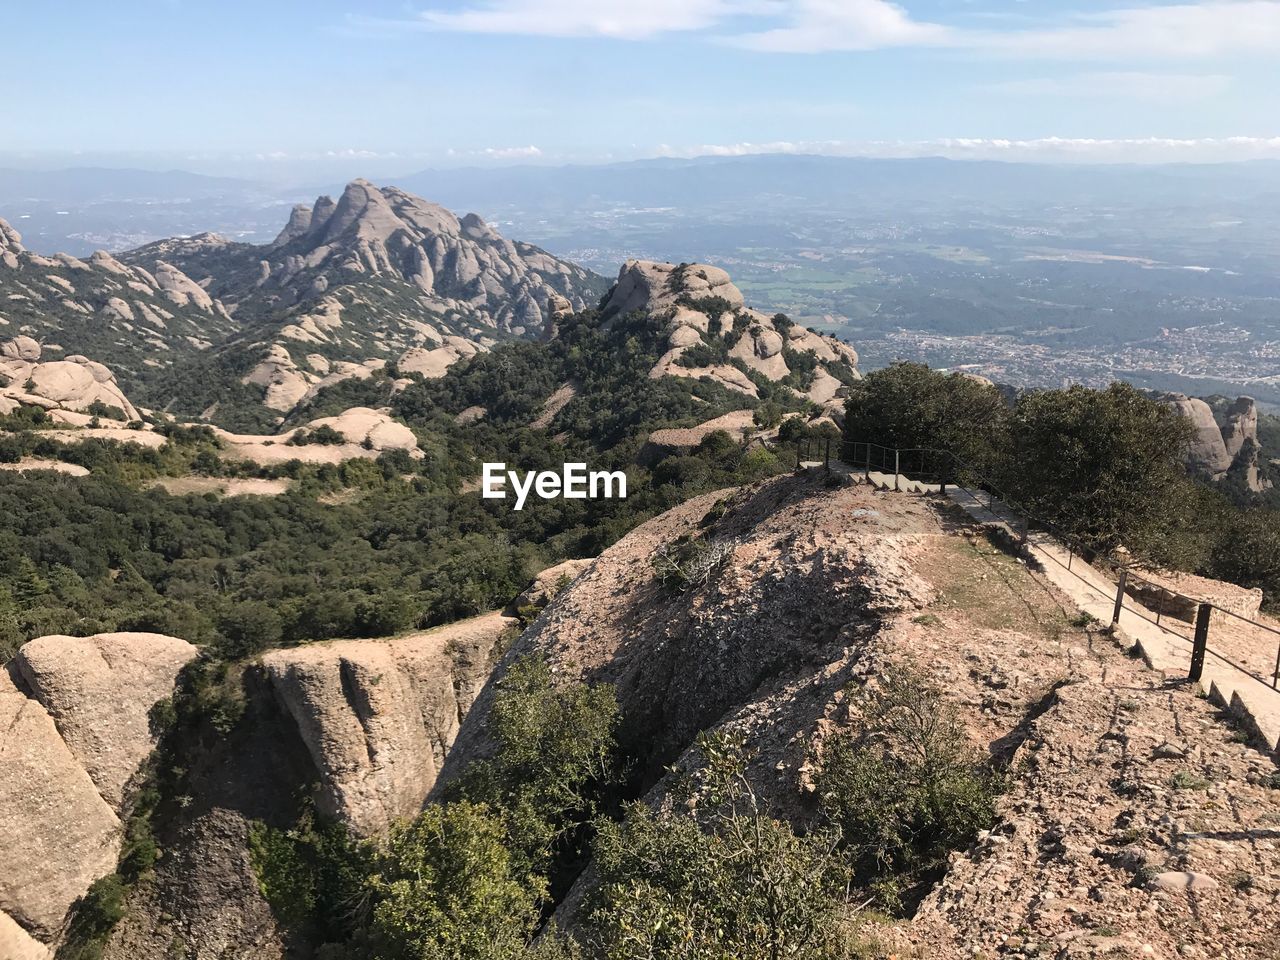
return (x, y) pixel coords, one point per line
(909, 406)
(906, 789)
(1102, 467)
(714, 875)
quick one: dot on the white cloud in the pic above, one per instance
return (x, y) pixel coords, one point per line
(1043, 149)
(820, 25)
(1171, 31)
(511, 153)
(1179, 31)
(620, 19)
(1125, 85)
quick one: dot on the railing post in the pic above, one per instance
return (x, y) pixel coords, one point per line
(1115, 614)
(826, 457)
(1201, 642)
(868, 463)
(895, 468)
(1275, 675)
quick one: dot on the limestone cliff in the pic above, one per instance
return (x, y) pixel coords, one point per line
(378, 717)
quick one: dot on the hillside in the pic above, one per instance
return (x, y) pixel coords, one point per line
(1116, 789)
(138, 320)
(243, 333)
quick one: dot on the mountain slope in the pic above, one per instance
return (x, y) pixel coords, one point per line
(131, 317)
(364, 280)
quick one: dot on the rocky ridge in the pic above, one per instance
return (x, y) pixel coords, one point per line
(1134, 820)
(703, 310)
(378, 275)
(138, 317)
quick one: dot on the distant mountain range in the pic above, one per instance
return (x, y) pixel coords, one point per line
(376, 276)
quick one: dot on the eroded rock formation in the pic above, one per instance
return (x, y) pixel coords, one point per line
(701, 307)
(378, 716)
(73, 731)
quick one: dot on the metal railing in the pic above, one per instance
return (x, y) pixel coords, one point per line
(944, 468)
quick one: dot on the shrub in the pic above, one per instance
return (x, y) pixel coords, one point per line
(740, 884)
(554, 759)
(448, 888)
(906, 789)
(688, 562)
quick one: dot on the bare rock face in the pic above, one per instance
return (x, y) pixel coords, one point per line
(1241, 425)
(558, 308)
(99, 691)
(73, 384)
(1224, 442)
(434, 362)
(458, 263)
(299, 223)
(20, 348)
(17, 944)
(1208, 453)
(57, 834)
(378, 716)
(10, 245)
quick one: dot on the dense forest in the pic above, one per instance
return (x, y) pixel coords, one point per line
(364, 548)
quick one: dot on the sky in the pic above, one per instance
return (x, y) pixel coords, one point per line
(282, 87)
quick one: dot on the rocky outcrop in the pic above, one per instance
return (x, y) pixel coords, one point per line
(551, 581)
(786, 588)
(679, 440)
(73, 384)
(1224, 437)
(99, 691)
(367, 434)
(378, 716)
(1207, 452)
(298, 225)
(73, 732)
(700, 307)
(435, 361)
(57, 834)
(1240, 424)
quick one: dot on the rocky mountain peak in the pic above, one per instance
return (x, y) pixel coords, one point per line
(298, 225)
(712, 333)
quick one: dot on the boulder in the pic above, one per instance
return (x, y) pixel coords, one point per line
(20, 348)
(99, 691)
(57, 834)
(1178, 881)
